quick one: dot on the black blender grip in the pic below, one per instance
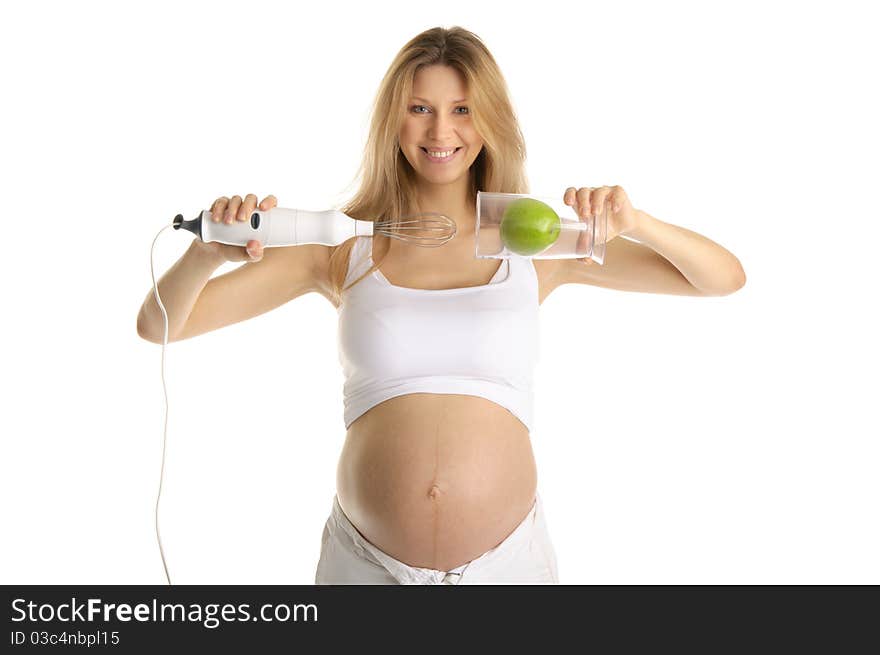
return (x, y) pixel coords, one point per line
(194, 225)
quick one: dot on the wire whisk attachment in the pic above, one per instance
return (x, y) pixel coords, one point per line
(428, 229)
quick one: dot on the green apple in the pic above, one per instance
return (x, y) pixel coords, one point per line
(529, 226)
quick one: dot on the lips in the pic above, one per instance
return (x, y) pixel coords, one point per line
(441, 161)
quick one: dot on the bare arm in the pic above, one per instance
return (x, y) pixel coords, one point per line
(196, 304)
(179, 289)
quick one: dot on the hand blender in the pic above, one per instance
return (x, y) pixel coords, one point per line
(293, 227)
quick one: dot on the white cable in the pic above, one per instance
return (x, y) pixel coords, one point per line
(165, 433)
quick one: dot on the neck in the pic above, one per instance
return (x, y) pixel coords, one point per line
(464, 214)
(453, 199)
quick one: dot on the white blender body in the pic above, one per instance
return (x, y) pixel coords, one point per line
(279, 227)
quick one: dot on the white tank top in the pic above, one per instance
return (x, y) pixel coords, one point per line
(477, 341)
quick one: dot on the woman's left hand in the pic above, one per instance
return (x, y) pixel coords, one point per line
(587, 201)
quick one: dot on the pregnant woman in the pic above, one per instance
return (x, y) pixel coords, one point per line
(436, 482)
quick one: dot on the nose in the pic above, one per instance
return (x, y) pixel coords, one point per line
(440, 127)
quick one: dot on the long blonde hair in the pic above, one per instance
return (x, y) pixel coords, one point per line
(387, 188)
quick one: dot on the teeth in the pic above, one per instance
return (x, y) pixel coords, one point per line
(440, 154)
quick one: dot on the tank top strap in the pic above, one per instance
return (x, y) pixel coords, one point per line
(524, 268)
(359, 260)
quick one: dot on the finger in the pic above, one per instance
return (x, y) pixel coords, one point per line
(598, 201)
(571, 198)
(268, 202)
(254, 250)
(247, 207)
(583, 199)
(218, 208)
(615, 198)
(232, 208)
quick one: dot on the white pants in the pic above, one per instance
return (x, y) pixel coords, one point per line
(526, 556)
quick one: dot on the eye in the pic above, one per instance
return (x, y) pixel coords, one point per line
(423, 106)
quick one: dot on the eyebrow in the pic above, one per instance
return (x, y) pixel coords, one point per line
(428, 101)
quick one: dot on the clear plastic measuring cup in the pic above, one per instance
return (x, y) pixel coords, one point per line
(577, 237)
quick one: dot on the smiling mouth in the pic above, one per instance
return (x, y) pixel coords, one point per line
(454, 153)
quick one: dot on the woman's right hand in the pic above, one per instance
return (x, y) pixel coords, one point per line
(233, 209)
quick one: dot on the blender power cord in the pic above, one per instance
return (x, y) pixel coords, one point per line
(165, 390)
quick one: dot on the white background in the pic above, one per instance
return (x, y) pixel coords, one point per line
(680, 440)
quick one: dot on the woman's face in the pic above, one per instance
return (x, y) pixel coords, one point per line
(438, 119)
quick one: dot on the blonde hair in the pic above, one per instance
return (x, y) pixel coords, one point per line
(387, 189)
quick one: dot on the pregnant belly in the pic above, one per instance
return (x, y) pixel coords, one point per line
(436, 480)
